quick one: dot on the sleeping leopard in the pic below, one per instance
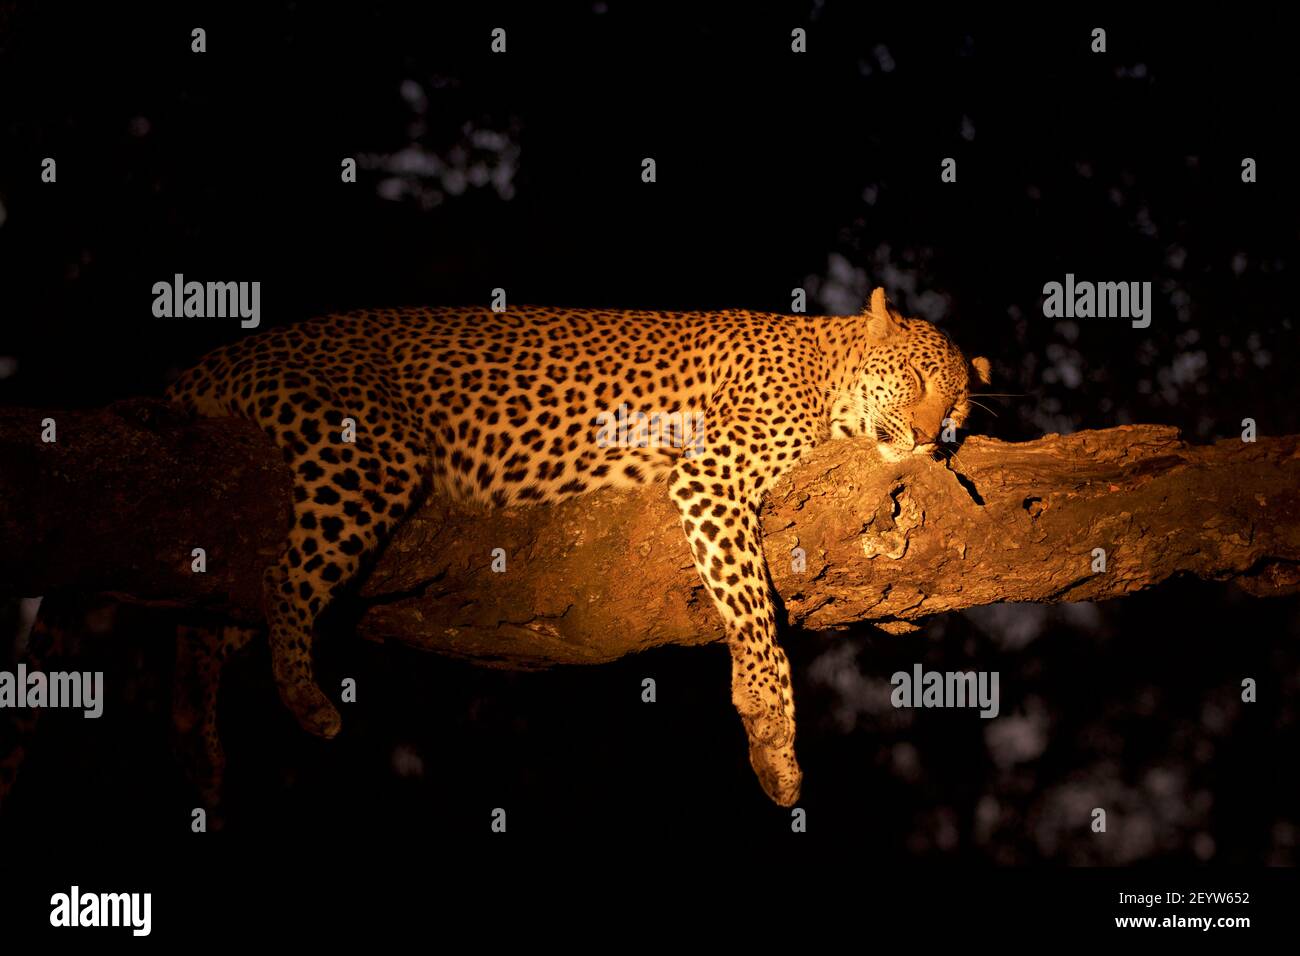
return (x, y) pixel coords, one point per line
(372, 409)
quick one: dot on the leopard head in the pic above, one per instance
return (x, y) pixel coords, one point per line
(913, 389)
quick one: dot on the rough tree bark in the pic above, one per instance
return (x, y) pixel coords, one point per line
(126, 493)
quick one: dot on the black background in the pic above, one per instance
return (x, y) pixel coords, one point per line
(772, 167)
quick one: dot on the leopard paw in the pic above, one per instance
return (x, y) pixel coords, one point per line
(777, 771)
(312, 709)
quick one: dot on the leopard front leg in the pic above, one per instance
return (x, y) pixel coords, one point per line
(719, 513)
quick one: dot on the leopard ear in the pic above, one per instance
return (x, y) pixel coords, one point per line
(879, 304)
(882, 320)
(983, 369)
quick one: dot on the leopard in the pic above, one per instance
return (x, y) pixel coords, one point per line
(374, 409)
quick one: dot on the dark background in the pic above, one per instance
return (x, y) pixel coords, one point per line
(775, 171)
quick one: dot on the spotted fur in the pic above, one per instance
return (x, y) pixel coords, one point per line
(503, 408)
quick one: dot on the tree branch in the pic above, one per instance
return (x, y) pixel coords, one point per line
(126, 493)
